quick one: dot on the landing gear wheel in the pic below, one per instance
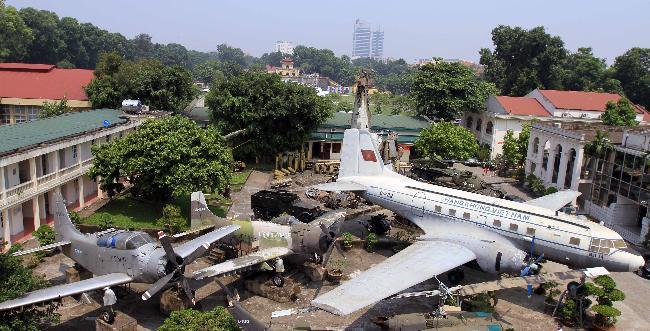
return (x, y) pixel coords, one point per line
(456, 276)
(107, 317)
(278, 280)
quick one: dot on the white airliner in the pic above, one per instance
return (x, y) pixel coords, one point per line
(461, 227)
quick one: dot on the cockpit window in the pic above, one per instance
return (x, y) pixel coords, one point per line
(124, 240)
(605, 246)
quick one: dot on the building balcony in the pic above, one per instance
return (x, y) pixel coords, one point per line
(25, 191)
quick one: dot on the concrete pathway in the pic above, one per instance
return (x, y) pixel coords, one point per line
(241, 200)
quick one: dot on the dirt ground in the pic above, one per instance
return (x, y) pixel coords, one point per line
(514, 309)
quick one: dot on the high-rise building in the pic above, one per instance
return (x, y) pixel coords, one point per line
(361, 43)
(378, 44)
(285, 47)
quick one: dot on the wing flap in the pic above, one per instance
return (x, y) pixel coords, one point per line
(42, 248)
(340, 187)
(554, 201)
(60, 291)
(241, 262)
(415, 264)
(187, 248)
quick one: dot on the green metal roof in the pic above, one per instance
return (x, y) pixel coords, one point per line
(380, 121)
(199, 114)
(338, 136)
(27, 134)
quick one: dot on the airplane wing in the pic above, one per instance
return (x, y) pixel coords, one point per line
(42, 248)
(415, 264)
(340, 187)
(60, 291)
(187, 248)
(554, 201)
(242, 262)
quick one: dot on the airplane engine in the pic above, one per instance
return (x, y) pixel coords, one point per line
(500, 258)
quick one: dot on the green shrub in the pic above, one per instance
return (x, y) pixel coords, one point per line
(45, 235)
(195, 320)
(172, 221)
(371, 242)
(105, 221)
(347, 239)
(606, 293)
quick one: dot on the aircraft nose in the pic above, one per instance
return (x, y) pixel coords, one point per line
(635, 262)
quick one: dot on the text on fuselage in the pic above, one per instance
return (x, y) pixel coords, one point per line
(496, 211)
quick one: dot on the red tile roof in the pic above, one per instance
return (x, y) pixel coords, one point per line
(579, 100)
(43, 81)
(522, 106)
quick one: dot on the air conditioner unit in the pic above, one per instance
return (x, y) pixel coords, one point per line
(565, 115)
(583, 116)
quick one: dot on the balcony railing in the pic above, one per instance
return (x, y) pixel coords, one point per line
(46, 178)
(69, 169)
(87, 162)
(19, 189)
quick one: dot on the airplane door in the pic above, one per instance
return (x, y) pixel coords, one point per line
(417, 204)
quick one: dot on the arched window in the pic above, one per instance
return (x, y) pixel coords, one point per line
(536, 145)
(489, 127)
(479, 125)
(469, 123)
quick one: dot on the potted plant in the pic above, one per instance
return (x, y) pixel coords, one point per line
(371, 242)
(346, 240)
(335, 272)
(604, 290)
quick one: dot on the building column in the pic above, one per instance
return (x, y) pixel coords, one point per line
(82, 201)
(550, 164)
(36, 211)
(56, 162)
(575, 179)
(6, 227)
(2, 183)
(32, 171)
(100, 193)
(564, 162)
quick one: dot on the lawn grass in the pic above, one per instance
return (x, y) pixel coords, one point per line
(127, 212)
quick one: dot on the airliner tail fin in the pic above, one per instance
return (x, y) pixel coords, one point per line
(359, 154)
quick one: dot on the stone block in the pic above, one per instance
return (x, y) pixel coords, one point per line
(314, 271)
(173, 300)
(122, 322)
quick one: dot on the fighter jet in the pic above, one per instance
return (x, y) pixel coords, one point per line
(118, 257)
(274, 242)
(461, 227)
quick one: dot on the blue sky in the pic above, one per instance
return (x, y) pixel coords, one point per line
(413, 29)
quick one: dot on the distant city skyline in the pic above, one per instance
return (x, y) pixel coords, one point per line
(417, 29)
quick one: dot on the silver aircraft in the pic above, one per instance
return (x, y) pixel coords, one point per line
(461, 227)
(117, 257)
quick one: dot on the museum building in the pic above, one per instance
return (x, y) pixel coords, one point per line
(44, 156)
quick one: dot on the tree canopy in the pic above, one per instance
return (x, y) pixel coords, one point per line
(445, 90)
(620, 113)
(278, 116)
(523, 60)
(159, 86)
(16, 280)
(632, 69)
(54, 108)
(445, 140)
(515, 149)
(195, 320)
(165, 157)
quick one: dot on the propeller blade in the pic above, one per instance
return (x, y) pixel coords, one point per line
(188, 291)
(167, 246)
(239, 312)
(539, 258)
(326, 231)
(157, 286)
(200, 251)
(328, 253)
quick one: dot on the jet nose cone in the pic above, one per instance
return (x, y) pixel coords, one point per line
(636, 262)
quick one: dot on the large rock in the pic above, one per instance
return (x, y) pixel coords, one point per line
(123, 322)
(314, 271)
(173, 300)
(72, 275)
(264, 287)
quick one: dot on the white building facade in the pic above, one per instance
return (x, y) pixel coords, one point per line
(34, 169)
(284, 47)
(511, 113)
